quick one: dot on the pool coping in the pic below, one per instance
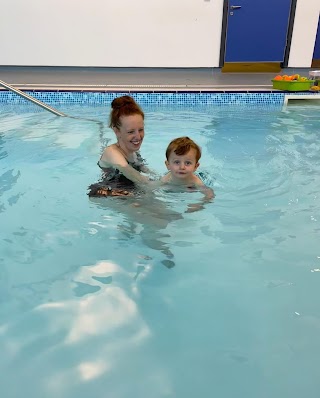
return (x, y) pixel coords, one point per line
(158, 88)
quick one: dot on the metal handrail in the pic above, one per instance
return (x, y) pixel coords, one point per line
(29, 98)
(52, 110)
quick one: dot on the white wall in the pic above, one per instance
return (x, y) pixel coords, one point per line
(112, 33)
(129, 33)
(304, 33)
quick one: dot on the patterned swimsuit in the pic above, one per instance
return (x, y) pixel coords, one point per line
(112, 179)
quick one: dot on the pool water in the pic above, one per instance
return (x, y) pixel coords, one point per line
(103, 298)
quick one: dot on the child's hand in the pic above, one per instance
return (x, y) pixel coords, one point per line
(208, 193)
(194, 207)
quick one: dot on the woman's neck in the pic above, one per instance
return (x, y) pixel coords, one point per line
(128, 155)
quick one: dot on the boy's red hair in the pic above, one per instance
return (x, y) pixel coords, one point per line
(181, 146)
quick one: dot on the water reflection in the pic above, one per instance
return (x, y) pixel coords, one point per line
(146, 217)
(74, 341)
(3, 152)
(8, 179)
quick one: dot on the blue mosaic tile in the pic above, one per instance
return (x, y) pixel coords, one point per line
(152, 98)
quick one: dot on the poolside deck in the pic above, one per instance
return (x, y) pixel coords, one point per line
(138, 79)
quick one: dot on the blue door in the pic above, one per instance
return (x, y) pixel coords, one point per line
(316, 52)
(257, 30)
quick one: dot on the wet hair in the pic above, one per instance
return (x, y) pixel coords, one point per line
(123, 106)
(181, 146)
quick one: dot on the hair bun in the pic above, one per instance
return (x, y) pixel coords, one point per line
(119, 102)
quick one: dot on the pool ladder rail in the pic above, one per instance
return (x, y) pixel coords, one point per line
(57, 113)
(31, 99)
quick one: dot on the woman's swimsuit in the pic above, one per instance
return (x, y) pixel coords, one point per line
(114, 183)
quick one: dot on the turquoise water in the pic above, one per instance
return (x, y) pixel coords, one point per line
(89, 305)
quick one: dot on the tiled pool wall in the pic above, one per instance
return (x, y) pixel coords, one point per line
(152, 98)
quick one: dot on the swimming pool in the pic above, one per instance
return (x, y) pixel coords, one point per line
(88, 305)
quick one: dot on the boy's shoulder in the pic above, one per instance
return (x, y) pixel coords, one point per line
(197, 180)
(166, 178)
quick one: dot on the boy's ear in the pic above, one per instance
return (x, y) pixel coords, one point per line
(167, 164)
(196, 166)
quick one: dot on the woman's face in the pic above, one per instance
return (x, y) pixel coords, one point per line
(130, 133)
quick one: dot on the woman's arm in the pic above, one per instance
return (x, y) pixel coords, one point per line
(133, 175)
(113, 158)
(146, 170)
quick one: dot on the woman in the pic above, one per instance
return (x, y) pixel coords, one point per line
(121, 162)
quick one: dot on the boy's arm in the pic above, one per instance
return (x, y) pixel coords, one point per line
(207, 192)
(208, 197)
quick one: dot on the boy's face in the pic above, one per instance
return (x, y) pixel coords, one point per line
(182, 167)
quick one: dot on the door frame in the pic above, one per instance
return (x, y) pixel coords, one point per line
(224, 28)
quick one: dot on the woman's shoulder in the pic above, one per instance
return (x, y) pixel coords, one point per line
(111, 156)
(109, 150)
